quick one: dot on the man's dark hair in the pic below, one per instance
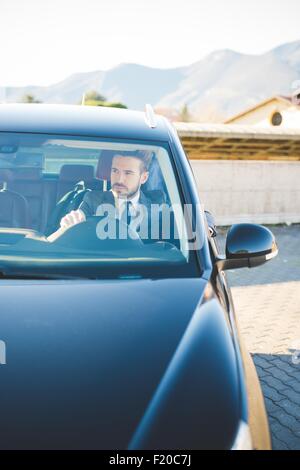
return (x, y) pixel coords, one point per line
(145, 157)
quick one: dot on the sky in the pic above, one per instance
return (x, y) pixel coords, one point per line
(45, 41)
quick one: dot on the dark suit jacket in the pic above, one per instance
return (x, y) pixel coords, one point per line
(93, 199)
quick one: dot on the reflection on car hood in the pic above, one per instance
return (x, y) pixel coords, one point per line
(85, 358)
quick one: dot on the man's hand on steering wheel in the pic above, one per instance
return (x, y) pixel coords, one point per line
(73, 218)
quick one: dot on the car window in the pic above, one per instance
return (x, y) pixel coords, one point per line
(127, 193)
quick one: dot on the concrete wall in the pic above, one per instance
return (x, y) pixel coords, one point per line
(265, 192)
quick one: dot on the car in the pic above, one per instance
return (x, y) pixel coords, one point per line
(111, 338)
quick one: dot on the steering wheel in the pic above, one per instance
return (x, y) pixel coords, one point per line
(100, 233)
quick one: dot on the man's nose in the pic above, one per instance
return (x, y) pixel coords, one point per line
(121, 177)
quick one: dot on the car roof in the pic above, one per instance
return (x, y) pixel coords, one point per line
(81, 120)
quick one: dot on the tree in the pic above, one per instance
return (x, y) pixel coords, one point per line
(93, 95)
(93, 98)
(184, 114)
(28, 98)
(107, 104)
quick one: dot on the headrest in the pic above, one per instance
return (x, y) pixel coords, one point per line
(76, 172)
(5, 175)
(104, 165)
(27, 174)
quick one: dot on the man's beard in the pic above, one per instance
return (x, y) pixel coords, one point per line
(126, 195)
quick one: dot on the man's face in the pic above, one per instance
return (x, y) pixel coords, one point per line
(127, 176)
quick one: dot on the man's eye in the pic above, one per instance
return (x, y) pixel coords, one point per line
(114, 170)
(128, 173)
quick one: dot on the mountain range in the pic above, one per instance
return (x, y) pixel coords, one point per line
(220, 85)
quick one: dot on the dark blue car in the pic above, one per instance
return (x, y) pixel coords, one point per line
(117, 328)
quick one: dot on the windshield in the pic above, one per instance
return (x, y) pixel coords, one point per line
(72, 206)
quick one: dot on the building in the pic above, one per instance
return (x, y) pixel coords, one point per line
(283, 111)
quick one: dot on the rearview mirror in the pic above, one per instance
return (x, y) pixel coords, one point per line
(248, 245)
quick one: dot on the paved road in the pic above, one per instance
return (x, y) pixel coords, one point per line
(267, 301)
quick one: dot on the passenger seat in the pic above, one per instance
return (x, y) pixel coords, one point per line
(14, 208)
(28, 182)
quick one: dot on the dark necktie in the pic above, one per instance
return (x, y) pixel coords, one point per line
(126, 216)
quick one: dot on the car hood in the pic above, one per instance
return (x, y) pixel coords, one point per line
(98, 364)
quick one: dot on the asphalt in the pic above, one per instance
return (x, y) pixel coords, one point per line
(267, 304)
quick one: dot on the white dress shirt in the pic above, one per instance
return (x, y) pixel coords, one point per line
(121, 205)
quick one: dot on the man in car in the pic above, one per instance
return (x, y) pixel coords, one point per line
(129, 171)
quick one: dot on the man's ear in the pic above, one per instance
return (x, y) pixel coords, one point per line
(144, 177)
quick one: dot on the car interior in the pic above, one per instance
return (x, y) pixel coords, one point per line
(42, 184)
(31, 198)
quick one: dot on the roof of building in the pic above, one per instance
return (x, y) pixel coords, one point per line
(225, 141)
(281, 98)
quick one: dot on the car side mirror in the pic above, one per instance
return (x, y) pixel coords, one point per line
(248, 245)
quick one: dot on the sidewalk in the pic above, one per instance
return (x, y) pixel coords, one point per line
(267, 303)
